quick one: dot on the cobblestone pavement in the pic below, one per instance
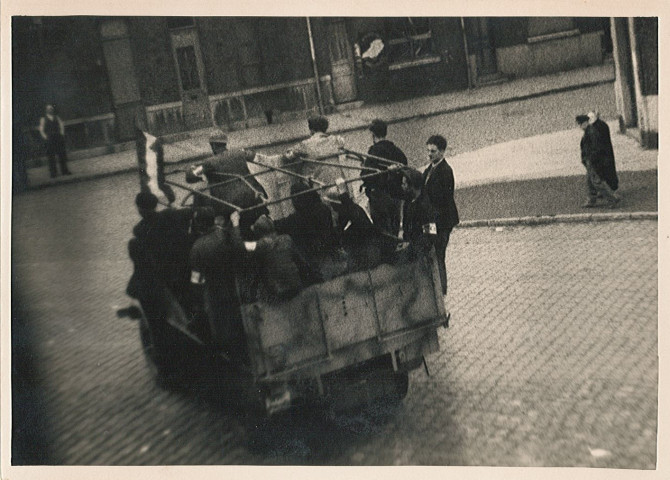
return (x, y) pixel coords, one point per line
(551, 359)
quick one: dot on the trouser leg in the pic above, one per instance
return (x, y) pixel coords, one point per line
(51, 156)
(62, 158)
(599, 186)
(441, 251)
(591, 189)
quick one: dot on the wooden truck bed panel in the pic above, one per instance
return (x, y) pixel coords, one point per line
(329, 318)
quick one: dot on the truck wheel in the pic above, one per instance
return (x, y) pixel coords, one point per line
(162, 352)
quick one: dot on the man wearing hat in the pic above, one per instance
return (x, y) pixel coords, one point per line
(595, 160)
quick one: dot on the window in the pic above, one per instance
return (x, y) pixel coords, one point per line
(188, 68)
(180, 22)
(408, 38)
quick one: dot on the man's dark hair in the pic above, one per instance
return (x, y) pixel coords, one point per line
(146, 200)
(581, 119)
(439, 141)
(379, 128)
(318, 124)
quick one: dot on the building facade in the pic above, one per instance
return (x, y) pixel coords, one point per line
(188, 73)
(635, 47)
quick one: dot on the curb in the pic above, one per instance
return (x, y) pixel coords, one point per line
(362, 126)
(563, 218)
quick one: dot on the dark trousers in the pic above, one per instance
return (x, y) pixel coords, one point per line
(56, 147)
(441, 243)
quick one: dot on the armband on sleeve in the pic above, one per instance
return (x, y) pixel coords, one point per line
(430, 229)
(197, 278)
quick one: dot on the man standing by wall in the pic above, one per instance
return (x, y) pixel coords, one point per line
(438, 185)
(53, 132)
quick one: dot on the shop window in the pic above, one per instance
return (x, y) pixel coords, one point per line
(408, 38)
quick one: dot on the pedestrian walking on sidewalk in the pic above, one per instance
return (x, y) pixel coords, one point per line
(606, 150)
(53, 133)
(595, 161)
(438, 185)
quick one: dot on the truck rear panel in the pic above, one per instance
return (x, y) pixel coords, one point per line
(347, 320)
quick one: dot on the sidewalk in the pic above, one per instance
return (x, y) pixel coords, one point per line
(197, 146)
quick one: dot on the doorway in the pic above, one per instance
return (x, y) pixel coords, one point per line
(191, 74)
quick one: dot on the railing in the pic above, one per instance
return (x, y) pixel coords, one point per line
(234, 110)
(166, 117)
(268, 104)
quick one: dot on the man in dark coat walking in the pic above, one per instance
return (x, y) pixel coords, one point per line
(594, 159)
(438, 185)
(607, 151)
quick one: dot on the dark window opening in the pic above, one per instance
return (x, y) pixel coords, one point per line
(180, 22)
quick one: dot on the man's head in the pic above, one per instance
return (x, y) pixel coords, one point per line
(412, 181)
(318, 124)
(50, 109)
(582, 121)
(146, 203)
(436, 146)
(379, 128)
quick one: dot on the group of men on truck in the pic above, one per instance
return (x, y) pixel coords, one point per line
(198, 252)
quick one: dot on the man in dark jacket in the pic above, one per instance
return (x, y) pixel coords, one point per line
(282, 270)
(438, 186)
(607, 151)
(365, 243)
(594, 159)
(224, 166)
(214, 264)
(419, 224)
(310, 226)
(384, 191)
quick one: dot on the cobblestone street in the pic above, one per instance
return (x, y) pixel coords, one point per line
(550, 359)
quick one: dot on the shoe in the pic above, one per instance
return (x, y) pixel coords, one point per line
(589, 204)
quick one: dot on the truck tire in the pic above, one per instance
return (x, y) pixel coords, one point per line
(163, 351)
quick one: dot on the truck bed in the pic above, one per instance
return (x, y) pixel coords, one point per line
(347, 320)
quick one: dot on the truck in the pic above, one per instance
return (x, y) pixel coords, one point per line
(344, 342)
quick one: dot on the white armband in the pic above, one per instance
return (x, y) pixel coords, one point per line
(197, 278)
(430, 229)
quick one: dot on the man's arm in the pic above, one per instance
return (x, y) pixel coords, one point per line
(42, 124)
(61, 126)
